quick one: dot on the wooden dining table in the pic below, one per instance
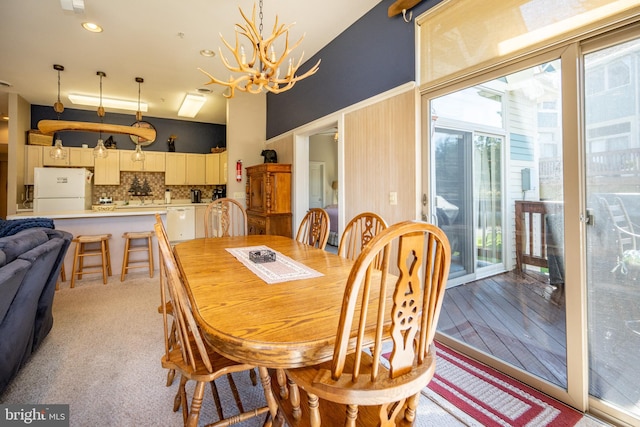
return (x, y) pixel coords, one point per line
(281, 325)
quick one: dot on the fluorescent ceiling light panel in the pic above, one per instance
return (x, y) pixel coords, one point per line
(191, 105)
(119, 104)
(77, 6)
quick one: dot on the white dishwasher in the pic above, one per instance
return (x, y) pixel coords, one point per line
(181, 223)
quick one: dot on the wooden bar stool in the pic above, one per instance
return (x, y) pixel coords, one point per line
(82, 251)
(63, 276)
(145, 247)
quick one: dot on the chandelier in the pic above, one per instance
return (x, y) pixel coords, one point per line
(262, 71)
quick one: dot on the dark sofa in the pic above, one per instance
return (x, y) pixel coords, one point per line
(30, 262)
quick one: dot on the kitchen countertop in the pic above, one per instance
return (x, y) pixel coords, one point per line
(121, 210)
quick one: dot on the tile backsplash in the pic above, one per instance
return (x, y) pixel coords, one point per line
(156, 183)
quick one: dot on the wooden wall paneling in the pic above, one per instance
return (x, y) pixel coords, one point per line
(380, 158)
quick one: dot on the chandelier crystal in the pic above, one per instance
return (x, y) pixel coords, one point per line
(262, 71)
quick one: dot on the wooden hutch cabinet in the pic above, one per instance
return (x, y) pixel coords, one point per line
(269, 199)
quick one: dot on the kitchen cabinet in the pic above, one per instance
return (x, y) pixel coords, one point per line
(175, 172)
(107, 170)
(184, 169)
(269, 199)
(76, 157)
(81, 157)
(213, 174)
(154, 161)
(195, 169)
(33, 159)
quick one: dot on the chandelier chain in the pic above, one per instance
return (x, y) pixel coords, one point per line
(58, 93)
(260, 15)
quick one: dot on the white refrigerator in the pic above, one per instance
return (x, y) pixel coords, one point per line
(61, 189)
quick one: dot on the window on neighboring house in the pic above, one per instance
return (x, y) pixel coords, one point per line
(618, 75)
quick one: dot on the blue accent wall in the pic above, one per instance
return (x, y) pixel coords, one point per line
(193, 137)
(375, 54)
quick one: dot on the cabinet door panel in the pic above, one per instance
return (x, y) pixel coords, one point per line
(175, 169)
(107, 170)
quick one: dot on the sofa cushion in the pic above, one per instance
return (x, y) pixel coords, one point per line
(19, 243)
(17, 329)
(44, 316)
(10, 279)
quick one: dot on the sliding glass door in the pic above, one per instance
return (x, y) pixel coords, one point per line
(612, 147)
(496, 187)
(468, 197)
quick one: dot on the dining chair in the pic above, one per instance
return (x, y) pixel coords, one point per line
(224, 218)
(359, 232)
(190, 355)
(314, 228)
(377, 373)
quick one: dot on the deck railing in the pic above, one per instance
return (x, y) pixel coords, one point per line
(531, 232)
(611, 163)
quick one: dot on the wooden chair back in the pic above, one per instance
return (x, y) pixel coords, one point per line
(165, 307)
(190, 340)
(384, 353)
(314, 228)
(358, 233)
(225, 218)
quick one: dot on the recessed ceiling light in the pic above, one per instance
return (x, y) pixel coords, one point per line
(204, 90)
(207, 52)
(90, 26)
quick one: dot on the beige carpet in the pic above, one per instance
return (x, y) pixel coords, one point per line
(102, 358)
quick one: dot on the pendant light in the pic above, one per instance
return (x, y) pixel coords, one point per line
(138, 155)
(100, 151)
(58, 152)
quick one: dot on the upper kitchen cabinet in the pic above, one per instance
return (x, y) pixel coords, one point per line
(33, 159)
(107, 170)
(196, 169)
(184, 169)
(154, 161)
(175, 171)
(213, 169)
(76, 157)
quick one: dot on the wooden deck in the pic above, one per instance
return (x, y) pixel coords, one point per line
(520, 318)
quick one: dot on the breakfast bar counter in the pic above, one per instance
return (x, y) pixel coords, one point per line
(122, 219)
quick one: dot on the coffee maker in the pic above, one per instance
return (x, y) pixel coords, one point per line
(218, 192)
(196, 196)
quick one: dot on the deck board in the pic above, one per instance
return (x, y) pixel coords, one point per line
(520, 319)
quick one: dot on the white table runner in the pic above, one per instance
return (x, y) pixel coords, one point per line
(283, 269)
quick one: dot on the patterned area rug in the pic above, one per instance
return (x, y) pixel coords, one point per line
(490, 398)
